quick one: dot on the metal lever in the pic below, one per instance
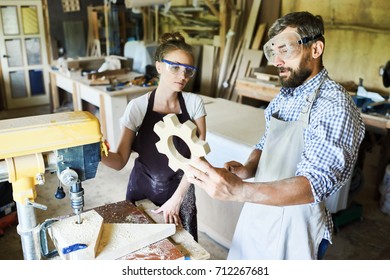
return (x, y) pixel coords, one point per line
(36, 205)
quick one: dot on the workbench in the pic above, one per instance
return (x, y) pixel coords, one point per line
(181, 245)
(111, 104)
(266, 91)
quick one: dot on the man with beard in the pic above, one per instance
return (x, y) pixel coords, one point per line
(307, 153)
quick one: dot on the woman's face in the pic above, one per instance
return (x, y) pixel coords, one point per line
(176, 71)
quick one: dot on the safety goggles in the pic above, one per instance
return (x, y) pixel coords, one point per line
(176, 68)
(286, 46)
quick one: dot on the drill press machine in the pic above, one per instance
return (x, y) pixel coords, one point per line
(66, 143)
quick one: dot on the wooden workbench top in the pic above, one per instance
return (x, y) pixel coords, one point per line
(76, 77)
(179, 246)
(257, 89)
(126, 212)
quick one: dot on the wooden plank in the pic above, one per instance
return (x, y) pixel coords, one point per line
(375, 121)
(255, 89)
(229, 92)
(251, 23)
(105, 241)
(93, 33)
(207, 74)
(231, 6)
(250, 59)
(182, 239)
(233, 65)
(270, 10)
(125, 211)
(222, 27)
(212, 8)
(68, 232)
(106, 11)
(225, 59)
(107, 73)
(259, 37)
(224, 73)
(54, 92)
(120, 239)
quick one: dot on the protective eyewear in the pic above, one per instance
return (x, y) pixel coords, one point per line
(286, 46)
(176, 68)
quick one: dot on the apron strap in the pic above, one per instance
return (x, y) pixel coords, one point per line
(305, 112)
(151, 101)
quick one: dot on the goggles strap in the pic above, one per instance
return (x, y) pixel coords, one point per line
(308, 39)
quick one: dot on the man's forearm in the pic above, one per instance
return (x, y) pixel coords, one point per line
(291, 191)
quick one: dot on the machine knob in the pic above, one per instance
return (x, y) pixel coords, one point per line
(60, 194)
(68, 177)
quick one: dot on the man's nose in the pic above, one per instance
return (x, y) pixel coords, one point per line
(278, 61)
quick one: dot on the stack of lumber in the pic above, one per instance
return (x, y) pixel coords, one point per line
(239, 60)
(235, 51)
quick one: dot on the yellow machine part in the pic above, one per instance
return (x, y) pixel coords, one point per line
(45, 133)
(23, 140)
(22, 174)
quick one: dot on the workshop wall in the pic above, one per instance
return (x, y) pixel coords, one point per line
(357, 34)
(58, 17)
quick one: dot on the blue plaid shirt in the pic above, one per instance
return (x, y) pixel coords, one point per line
(332, 138)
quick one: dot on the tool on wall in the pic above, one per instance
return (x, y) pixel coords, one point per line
(384, 71)
(66, 143)
(382, 107)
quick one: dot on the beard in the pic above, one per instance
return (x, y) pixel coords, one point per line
(298, 76)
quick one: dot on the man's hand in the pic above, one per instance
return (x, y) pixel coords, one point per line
(219, 183)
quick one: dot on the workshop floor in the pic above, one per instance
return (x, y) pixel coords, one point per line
(365, 239)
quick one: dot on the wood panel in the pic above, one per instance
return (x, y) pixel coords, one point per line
(369, 13)
(357, 43)
(353, 54)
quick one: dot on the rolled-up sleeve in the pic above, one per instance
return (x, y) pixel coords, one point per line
(331, 147)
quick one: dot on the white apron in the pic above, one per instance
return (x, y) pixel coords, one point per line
(273, 232)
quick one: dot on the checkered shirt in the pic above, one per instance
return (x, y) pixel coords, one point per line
(332, 138)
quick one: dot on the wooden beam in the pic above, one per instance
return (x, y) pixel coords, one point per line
(222, 27)
(259, 37)
(251, 23)
(207, 74)
(224, 64)
(213, 10)
(106, 10)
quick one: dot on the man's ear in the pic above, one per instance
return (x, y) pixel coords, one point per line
(317, 48)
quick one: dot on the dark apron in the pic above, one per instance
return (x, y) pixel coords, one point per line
(151, 177)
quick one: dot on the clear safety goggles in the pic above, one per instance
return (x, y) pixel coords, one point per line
(286, 46)
(176, 68)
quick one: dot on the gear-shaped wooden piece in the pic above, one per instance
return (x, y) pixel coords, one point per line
(171, 126)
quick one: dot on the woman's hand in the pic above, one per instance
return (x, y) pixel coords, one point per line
(170, 210)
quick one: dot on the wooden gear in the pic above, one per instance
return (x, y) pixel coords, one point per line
(169, 127)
